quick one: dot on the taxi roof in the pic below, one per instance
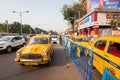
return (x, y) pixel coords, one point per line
(112, 38)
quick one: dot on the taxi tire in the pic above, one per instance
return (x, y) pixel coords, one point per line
(49, 62)
(22, 64)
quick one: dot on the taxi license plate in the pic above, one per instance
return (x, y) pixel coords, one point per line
(31, 63)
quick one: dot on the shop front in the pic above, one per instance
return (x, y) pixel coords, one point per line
(97, 22)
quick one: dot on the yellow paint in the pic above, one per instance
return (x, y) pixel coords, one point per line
(98, 62)
(78, 52)
(36, 49)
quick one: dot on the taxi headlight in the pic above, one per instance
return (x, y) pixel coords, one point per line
(17, 54)
(44, 54)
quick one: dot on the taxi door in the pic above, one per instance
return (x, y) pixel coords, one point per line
(99, 48)
(112, 57)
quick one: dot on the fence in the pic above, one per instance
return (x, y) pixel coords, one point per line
(82, 58)
(107, 75)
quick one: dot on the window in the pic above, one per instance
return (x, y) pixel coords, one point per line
(73, 38)
(5, 38)
(19, 38)
(100, 44)
(81, 40)
(38, 41)
(16, 38)
(114, 48)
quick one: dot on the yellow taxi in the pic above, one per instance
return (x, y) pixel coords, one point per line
(79, 40)
(37, 51)
(107, 54)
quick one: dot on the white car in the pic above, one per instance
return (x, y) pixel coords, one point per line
(54, 39)
(7, 43)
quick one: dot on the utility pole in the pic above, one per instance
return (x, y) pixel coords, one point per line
(30, 30)
(7, 26)
(20, 19)
(79, 14)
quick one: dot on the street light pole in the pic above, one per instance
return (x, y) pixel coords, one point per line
(7, 26)
(20, 19)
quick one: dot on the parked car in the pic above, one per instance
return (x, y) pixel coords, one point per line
(7, 43)
(37, 51)
(106, 54)
(80, 40)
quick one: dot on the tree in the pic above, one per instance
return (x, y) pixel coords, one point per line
(115, 22)
(3, 28)
(26, 28)
(15, 27)
(73, 12)
(52, 32)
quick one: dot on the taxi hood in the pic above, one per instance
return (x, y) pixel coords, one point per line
(35, 48)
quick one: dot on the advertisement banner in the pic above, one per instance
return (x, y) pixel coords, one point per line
(91, 4)
(111, 3)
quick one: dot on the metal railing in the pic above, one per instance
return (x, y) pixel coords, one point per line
(84, 62)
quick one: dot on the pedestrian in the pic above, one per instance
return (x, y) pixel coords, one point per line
(60, 40)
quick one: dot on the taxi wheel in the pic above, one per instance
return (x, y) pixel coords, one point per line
(22, 64)
(49, 62)
(9, 49)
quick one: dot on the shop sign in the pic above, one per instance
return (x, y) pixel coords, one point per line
(116, 33)
(86, 20)
(112, 15)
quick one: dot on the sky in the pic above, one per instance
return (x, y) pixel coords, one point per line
(44, 14)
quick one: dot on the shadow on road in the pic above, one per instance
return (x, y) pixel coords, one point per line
(60, 56)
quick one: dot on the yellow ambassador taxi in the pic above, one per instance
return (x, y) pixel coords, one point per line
(107, 54)
(79, 40)
(37, 51)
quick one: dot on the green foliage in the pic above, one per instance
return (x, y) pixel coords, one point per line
(39, 31)
(75, 11)
(3, 28)
(15, 27)
(26, 28)
(52, 32)
(115, 22)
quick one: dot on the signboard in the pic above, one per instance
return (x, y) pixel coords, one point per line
(88, 19)
(91, 4)
(111, 3)
(115, 33)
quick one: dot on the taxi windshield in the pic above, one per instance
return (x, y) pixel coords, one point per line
(38, 41)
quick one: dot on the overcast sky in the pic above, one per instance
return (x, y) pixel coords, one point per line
(44, 14)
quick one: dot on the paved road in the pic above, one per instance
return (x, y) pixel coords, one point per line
(10, 70)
